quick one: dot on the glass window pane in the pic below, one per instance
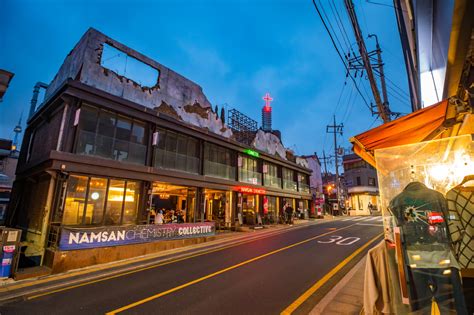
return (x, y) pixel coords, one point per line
(96, 200)
(113, 210)
(171, 141)
(87, 126)
(182, 145)
(106, 124)
(88, 119)
(124, 129)
(138, 133)
(131, 202)
(105, 133)
(161, 139)
(75, 200)
(192, 147)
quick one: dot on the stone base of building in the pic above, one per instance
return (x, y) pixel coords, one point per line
(61, 261)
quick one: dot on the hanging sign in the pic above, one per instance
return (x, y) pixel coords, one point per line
(82, 238)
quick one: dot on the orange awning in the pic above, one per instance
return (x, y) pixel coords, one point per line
(422, 125)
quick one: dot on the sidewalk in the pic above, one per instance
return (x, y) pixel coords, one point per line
(347, 296)
(11, 289)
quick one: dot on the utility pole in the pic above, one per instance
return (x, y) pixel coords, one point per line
(380, 67)
(383, 109)
(324, 160)
(335, 129)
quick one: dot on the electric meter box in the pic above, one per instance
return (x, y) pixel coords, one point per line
(9, 251)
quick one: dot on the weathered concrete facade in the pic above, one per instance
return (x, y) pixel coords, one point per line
(83, 64)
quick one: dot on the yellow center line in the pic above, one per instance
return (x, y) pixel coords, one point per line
(156, 296)
(300, 300)
(145, 268)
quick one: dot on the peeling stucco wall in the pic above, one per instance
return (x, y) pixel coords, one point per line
(268, 142)
(83, 63)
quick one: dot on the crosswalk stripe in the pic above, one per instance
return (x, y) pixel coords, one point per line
(359, 219)
(373, 218)
(371, 224)
(347, 219)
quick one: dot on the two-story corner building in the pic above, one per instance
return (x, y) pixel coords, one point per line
(362, 185)
(110, 152)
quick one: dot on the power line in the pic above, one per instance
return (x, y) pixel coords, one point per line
(340, 95)
(330, 25)
(340, 25)
(339, 54)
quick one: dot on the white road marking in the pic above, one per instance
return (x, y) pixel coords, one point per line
(373, 219)
(371, 224)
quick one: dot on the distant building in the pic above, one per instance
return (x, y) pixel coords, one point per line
(315, 181)
(8, 163)
(362, 184)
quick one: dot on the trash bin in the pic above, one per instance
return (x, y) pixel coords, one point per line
(9, 251)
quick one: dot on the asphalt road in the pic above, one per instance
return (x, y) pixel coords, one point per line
(264, 276)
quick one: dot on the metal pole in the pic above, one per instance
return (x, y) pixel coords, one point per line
(336, 163)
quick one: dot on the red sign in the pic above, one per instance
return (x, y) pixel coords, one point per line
(251, 190)
(435, 217)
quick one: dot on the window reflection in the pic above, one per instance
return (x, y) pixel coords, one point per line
(131, 202)
(108, 135)
(113, 210)
(95, 201)
(87, 197)
(75, 200)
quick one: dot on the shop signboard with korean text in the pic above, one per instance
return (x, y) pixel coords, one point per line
(82, 238)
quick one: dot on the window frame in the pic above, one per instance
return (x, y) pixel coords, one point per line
(117, 116)
(104, 206)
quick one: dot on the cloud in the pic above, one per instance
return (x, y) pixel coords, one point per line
(205, 58)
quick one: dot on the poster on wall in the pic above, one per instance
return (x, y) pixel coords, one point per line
(82, 238)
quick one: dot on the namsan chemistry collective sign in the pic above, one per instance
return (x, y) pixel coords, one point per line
(82, 238)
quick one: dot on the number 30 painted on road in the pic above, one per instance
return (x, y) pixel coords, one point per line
(340, 240)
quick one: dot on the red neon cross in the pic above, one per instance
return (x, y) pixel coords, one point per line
(267, 99)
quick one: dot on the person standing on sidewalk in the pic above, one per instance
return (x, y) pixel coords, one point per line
(289, 214)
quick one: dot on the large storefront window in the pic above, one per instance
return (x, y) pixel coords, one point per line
(172, 204)
(289, 182)
(248, 170)
(217, 205)
(96, 201)
(271, 177)
(176, 152)
(108, 135)
(219, 162)
(75, 200)
(115, 202)
(249, 209)
(270, 209)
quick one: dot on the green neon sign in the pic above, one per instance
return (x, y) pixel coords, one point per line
(252, 152)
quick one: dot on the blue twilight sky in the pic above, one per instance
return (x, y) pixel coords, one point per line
(237, 50)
